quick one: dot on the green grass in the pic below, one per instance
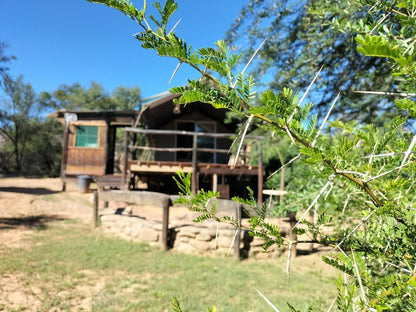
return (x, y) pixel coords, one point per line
(75, 269)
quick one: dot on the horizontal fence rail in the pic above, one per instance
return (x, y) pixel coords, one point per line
(194, 149)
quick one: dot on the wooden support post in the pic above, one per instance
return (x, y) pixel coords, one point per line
(194, 168)
(124, 171)
(95, 211)
(237, 239)
(215, 182)
(260, 176)
(165, 225)
(64, 159)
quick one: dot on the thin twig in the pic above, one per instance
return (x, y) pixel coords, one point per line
(353, 172)
(388, 154)
(398, 267)
(251, 60)
(242, 139)
(289, 256)
(386, 93)
(332, 304)
(325, 120)
(285, 165)
(385, 173)
(363, 220)
(316, 198)
(290, 135)
(363, 296)
(232, 242)
(267, 300)
(380, 22)
(408, 152)
(307, 91)
(174, 72)
(174, 26)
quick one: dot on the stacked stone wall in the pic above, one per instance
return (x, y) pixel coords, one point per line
(207, 238)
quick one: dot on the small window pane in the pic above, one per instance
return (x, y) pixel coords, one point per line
(87, 136)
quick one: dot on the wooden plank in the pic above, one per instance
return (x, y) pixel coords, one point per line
(142, 198)
(83, 170)
(135, 168)
(135, 197)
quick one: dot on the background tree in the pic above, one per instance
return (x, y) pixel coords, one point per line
(77, 97)
(4, 59)
(15, 114)
(299, 41)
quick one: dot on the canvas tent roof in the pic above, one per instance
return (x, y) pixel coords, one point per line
(162, 110)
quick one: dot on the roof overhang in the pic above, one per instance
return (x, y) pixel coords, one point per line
(119, 118)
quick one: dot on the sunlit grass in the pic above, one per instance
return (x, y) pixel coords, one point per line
(73, 267)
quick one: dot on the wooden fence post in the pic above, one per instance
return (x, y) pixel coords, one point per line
(194, 179)
(237, 239)
(165, 225)
(95, 210)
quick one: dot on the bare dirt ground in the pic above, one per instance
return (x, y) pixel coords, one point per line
(29, 203)
(26, 203)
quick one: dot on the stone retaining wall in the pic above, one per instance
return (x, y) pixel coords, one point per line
(206, 238)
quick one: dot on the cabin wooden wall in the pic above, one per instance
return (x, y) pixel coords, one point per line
(87, 160)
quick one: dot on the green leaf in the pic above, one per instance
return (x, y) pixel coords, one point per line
(379, 46)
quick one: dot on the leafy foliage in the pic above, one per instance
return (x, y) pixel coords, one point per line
(77, 97)
(360, 168)
(300, 38)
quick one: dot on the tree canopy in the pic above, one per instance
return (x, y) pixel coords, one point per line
(299, 39)
(77, 97)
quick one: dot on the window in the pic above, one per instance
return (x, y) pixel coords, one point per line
(87, 136)
(203, 142)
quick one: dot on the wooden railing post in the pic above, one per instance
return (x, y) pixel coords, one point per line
(125, 162)
(194, 168)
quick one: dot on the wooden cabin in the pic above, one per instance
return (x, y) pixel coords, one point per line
(90, 141)
(193, 138)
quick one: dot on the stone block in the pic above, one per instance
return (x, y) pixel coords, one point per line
(202, 245)
(186, 248)
(203, 237)
(224, 242)
(148, 235)
(211, 231)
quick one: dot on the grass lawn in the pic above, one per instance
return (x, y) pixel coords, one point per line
(66, 267)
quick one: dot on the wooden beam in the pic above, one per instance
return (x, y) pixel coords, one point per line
(124, 170)
(142, 198)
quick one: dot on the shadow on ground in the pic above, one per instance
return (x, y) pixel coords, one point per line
(28, 190)
(37, 222)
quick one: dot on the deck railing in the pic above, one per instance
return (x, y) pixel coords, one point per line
(194, 149)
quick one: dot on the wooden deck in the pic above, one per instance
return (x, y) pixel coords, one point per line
(170, 167)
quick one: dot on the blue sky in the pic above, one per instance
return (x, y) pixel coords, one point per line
(66, 41)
